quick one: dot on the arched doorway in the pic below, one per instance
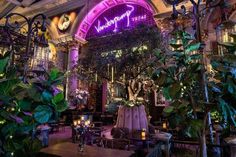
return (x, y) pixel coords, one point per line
(114, 21)
(115, 27)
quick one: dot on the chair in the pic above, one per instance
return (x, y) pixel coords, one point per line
(156, 151)
(113, 143)
(61, 123)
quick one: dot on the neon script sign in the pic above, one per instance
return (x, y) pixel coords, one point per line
(115, 20)
(121, 17)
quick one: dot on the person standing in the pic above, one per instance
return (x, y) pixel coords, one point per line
(45, 128)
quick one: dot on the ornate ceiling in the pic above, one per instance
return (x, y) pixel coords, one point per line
(55, 7)
(52, 7)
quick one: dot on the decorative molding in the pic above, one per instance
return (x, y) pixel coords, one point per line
(45, 8)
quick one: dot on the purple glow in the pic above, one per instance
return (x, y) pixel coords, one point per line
(115, 20)
(91, 18)
(119, 18)
(139, 18)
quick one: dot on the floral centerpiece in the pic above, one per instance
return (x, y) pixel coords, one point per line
(81, 96)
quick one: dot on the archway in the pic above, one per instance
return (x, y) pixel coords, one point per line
(117, 21)
(95, 13)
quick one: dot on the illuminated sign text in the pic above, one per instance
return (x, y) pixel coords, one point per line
(115, 20)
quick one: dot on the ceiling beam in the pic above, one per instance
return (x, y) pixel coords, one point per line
(9, 7)
(51, 9)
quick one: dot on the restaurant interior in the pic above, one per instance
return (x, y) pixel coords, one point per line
(118, 78)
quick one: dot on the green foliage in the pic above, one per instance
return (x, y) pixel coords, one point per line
(24, 105)
(223, 82)
(179, 79)
(42, 113)
(3, 63)
(129, 54)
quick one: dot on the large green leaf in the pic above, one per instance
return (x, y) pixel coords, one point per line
(166, 93)
(227, 111)
(54, 74)
(188, 36)
(25, 128)
(176, 46)
(7, 85)
(161, 79)
(34, 94)
(61, 106)
(24, 105)
(168, 109)
(58, 98)
(175, 90)
(3, 63)
(47, 96)
(193, 47)
(9, 129)
(42, 113)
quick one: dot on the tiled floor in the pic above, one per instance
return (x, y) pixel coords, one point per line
(60, 136)
(65, 135)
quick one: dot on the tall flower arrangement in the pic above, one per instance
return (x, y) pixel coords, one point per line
(81, 96)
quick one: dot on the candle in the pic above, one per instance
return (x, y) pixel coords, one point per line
(75, 123)
(143, 133)
(112, 74)
(164, 125)
(82, 118)
(96, 77)
(87, 122)
(78, 122)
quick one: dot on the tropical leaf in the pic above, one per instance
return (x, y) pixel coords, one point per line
(3, 63)
(175, 90)
(166, 93)
(42, 114)
(7, 85)
(193, 47)
(47, 96)
(168, 109)
(176, 46)
(161, 79)
(9, 129)
(227, 111)
(61, 106)
(58, 98)
(24, 105)
(54, 73)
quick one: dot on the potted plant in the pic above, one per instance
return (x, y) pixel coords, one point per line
(24, 105)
